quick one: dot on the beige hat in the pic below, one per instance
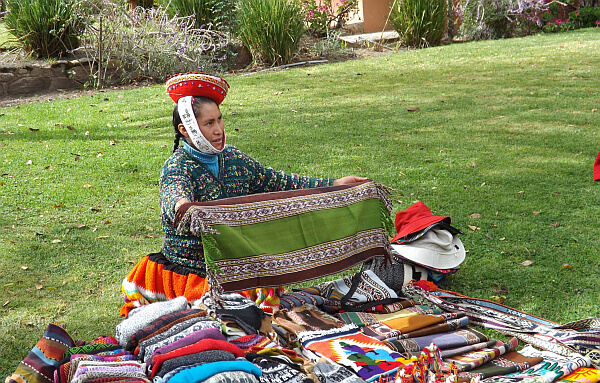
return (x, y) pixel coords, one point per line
(438, 249)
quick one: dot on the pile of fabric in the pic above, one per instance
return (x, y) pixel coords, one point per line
(375, 325)
(424, 336)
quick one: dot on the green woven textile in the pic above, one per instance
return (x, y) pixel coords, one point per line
(275, 239)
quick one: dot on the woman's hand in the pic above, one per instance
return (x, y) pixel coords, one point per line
(180, 202)
(349, 180)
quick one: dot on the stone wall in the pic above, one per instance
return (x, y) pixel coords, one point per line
(26, 78)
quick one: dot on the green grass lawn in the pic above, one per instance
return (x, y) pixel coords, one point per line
(506, 131)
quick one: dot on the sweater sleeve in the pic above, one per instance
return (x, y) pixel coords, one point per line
(175, 184)
(266, 179)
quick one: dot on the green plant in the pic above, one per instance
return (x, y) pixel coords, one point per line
(493, 19)
(271, 29)
(331, 46)
(419, 23)
(146, 43)
(585, 17)
(219, 13)
(321, 18)
(48, 28)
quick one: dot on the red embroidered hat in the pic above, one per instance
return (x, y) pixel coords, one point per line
(597, 168)
(197, 84)
(414, 219)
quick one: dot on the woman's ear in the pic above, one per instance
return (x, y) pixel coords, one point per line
(182, 130)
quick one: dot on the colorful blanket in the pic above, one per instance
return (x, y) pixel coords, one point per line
(275, 239)
(369, 358)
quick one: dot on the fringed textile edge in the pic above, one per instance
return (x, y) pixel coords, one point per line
(306, 336)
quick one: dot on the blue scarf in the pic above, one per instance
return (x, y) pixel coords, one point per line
(210, 160)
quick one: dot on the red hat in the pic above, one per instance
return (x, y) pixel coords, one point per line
(597, 168)
(197, 84)
(414, 219)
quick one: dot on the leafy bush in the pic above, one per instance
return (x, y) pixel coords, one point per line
(148, 43)
(585, 17)
(493, 19)
(582, 18)
(271, 29)
(320, 19)
(331, 47)
(47, 28)
(419, 23)
(219, 13)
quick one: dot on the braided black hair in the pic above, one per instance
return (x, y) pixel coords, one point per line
(196, 104)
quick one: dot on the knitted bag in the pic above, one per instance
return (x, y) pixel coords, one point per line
(397, 274)
(360, 291)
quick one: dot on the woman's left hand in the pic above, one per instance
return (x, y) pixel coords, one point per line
(349, 180)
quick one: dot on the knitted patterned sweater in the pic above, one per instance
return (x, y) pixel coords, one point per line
(183, 176)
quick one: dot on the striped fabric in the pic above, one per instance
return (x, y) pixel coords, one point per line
(275, 239)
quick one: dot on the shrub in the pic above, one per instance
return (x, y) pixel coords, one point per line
(492, 19)
(47, 28)
(419, 23)
(585, 17)
(271, 29)
(220, 13)
(148, 43)
(320, 18)
(331, 47)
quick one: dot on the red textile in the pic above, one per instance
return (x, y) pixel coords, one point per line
(597, 168)
(203, 345)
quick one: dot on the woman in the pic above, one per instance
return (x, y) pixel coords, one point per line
(203, 169)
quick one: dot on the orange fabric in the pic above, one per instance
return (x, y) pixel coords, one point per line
(412, 323)
(149, 282)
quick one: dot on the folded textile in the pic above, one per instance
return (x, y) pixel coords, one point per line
(451, 339)
(335, 373)
(276, 372)
(41, 362)
(502, 365)
(64, 374)
(237, 308)
(299, 298)
(176, 332)
(368, 357)
(247, 342)
(552, 368)
(253, 240)
(581, 337)
(232, 376)
(93, 369)
(209, 356)
(91, 349)
(364, 319)
(194, 337)
(286, 353)
(477, 358)
(141, 317)
(73, 364)
(304, 318)
(162, 324)
(467, 348)
(202, 372)
(112, 379)
(582, 375)
(203, 345)
(382, 331)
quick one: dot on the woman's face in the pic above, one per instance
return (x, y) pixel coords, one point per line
(211, 125)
